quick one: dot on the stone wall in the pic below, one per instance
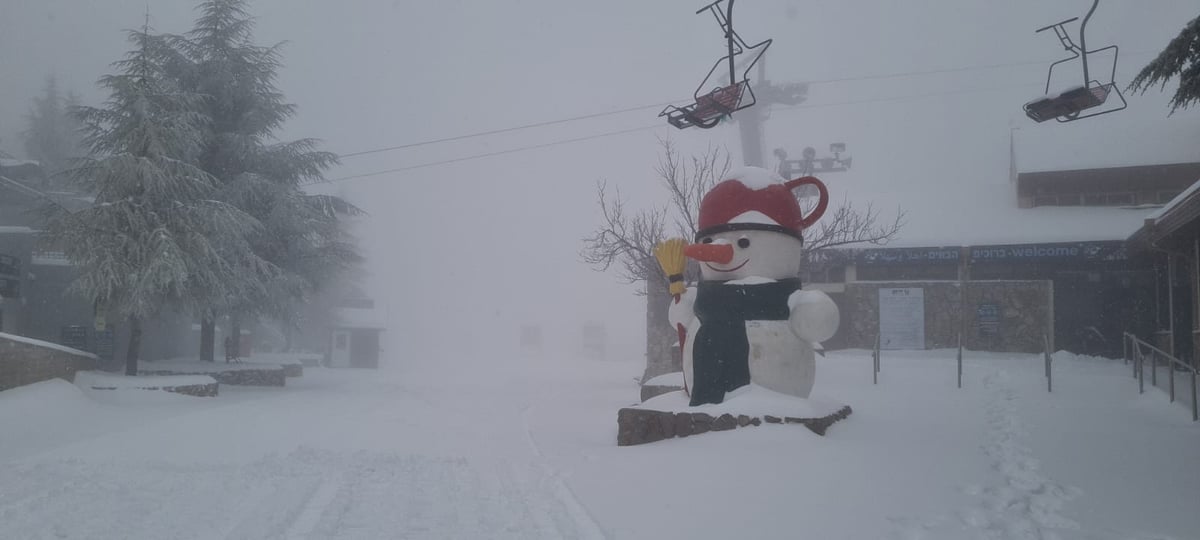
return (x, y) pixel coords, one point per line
(1002, 316)
(25, 361)
(259, 376)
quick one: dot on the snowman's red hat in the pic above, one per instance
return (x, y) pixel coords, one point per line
(734, 205)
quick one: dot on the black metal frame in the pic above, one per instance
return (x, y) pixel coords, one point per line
(1067, 106)
(710, 107)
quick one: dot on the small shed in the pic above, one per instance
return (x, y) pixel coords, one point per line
(354, 338)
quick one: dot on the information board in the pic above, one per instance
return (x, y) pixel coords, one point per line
(988, 317)
(902, 318)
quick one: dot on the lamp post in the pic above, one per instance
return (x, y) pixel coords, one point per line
(809, 164)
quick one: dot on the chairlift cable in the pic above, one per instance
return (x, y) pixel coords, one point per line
(663, 103)
(645, 128)
(503, 130)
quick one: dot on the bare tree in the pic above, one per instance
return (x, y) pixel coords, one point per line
(627, 239)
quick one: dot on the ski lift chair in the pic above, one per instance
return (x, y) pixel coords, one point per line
(1069, 105)
(710, 106)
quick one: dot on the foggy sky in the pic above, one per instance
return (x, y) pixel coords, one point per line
(478, 247)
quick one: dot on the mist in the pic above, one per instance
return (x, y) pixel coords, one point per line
(474, 135)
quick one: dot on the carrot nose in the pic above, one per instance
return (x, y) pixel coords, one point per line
(717, 253)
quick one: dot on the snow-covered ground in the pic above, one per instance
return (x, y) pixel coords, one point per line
(525, 448)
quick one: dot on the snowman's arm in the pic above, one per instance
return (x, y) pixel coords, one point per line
(814, 316)
(683, 312)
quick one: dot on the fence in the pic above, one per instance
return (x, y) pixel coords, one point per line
(1137, 351)
(1046, 360)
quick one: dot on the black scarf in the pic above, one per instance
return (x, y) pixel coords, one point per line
(721, 351)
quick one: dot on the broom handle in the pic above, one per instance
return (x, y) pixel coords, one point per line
(682, 339)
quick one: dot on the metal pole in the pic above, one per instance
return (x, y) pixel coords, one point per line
(960, 359)
(1082, 40)
(1049, 377)
(875, 362)
(1141, 375)
(1195, 416)
(1171, 379)
(1153, 368)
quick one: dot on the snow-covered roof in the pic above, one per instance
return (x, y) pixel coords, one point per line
(1041, 225)
(45, 344)
(359, 318)
(15, 229)
(1113, 140)
(10, 162)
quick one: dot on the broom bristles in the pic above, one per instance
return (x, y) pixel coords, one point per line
(672, 260)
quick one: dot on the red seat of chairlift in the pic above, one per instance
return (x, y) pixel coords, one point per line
(720, 101)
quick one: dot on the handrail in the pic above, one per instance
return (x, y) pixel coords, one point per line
(1139, 360)
(1139, 342)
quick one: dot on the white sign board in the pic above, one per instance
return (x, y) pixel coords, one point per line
(902, 318)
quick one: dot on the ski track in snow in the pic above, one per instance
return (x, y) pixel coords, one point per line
(1025, 505)
(307, 494)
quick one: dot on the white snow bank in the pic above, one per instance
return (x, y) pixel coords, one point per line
(46, 344)
(666, 379)
(750, 400)
(754, 177)
(100, 379)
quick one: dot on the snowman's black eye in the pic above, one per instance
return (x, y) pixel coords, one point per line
(743, 243)
(706, 240)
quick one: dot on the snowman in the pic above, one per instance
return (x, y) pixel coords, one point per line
(748, 320)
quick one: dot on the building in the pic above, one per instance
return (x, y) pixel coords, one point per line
(1170, 237)
(354, 336)
(35, 297)
(1073, 199)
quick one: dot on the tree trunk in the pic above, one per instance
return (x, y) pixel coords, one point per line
(235, 332)
(135, 345)
(208, 336)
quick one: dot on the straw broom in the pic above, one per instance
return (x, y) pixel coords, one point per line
(672, 261)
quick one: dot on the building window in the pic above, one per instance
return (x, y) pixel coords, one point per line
(1122, 198)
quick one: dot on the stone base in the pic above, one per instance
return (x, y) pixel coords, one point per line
(641, 426)
(264, 376)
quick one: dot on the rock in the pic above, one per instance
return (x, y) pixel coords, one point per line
(641, 426)
(725, 422)
(683, 424)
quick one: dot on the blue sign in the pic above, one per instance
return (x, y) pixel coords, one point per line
(934, 255)
(1088, 251)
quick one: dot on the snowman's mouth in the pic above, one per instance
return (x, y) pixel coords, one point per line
(734, 269)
